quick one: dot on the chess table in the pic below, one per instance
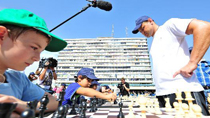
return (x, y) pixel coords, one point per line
(109, 110)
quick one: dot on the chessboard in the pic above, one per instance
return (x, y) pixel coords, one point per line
(113, 112)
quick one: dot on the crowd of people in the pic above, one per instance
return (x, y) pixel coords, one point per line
(24, 36)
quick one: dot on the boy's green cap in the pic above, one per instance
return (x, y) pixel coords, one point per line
(24, 18)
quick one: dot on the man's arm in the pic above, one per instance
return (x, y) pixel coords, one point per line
(201, 41)
(42, 75)
(126, 87)
(54, 73)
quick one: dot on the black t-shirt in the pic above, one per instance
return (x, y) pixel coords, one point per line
(123, 91)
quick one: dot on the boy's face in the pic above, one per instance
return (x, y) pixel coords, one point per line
(94, 86)
(23, 51)
(85, 82)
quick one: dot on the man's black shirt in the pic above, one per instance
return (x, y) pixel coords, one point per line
(123, 91)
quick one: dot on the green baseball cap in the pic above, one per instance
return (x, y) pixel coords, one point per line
(24, 18)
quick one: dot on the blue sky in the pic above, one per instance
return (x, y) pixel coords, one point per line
(95, 22)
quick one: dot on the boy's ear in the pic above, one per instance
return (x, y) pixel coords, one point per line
(3, 31)
(79, 77)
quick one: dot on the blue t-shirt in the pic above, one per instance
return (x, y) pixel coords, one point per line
(70, 92)
(20, 87)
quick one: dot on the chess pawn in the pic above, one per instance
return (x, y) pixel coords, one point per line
(197, 110)
(168, 105)
(130, 115)
(178, 114)
(142, 103)
(157, 108)
(186, 110)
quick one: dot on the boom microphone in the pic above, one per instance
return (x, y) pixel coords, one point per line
(102, 5)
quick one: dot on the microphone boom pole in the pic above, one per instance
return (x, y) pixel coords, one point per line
(88, 6)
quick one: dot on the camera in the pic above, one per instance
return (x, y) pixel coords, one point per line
(52, 62)
(120, 86)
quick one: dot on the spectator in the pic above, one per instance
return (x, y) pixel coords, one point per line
(32, 76)
(124, 87)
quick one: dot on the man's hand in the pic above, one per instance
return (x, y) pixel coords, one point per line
(52, 68)
(111, 96)
(21, 105)
(186, 71)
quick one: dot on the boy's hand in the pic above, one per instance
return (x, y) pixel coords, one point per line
(21, 105)
(111, 96)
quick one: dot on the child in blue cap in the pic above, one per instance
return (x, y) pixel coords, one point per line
(81, 87)
(24, 36)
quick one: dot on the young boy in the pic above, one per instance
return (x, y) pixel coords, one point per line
(94, 84)
(23, 36)
(84, 78)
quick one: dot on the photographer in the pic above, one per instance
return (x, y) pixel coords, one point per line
(47, 74)
(124, 87)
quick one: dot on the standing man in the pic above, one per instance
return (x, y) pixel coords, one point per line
(46, 77)
(172, 64)
(124, 87)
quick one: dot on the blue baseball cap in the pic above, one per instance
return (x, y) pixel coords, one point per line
(94, 83)
(32, 73)
(139, 21)
(88, 72)
(63, 84)
(107, 87)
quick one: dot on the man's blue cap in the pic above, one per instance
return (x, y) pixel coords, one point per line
(32, 73)
(94, 83)
(139, 21)
(88, 72)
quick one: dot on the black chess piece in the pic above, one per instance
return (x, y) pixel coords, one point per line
(95, 101)
(59, 112)
(115, 101)
(120, 115)
(6, 109)
(67, 106)
(73, 110)
(44, 101)
(83, 108)
(61, 97)
(30, 113)
(92, 107)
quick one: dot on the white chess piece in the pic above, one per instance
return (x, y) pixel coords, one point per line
(131, 115)
(179, 98)
(157, 108)
(176, 106)
(168, 105)
(186, 110)
(197, 110)
(142, 103)
(190, 102)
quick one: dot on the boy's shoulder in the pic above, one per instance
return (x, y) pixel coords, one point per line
(74, 84)
(14, 73)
